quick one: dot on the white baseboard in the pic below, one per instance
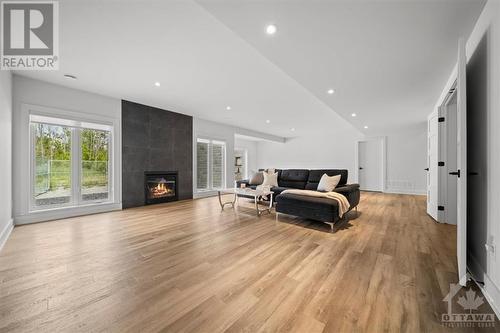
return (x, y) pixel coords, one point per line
(5, 233)
(57, 214)
(490, 291)
(204, 194)
(403, 191)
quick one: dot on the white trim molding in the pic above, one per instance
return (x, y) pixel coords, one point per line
(487, 286)
(24, 212)
(409, 192)
(61, 213)
(5, 233)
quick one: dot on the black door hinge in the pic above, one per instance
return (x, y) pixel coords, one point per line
(440, 119)
(440, 207)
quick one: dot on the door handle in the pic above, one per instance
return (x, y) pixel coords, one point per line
(455, 173)
(426, 169)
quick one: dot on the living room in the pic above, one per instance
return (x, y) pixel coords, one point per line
(217, 166)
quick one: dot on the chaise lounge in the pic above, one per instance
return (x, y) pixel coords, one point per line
(319, 209)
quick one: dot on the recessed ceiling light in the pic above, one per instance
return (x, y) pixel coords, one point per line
(353, 115)
(271, 29)
(268, 121)
(292, 129)
(69, 76)
(331, 91)
(366, 127)
(228, 108)
(157, 84)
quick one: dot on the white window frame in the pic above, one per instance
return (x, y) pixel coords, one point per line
(208, 188)
(76, 160)
(211, 142)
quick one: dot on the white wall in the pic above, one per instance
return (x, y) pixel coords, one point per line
(323, 149)
(406, 155)
(64, 102)
(5, 156)
(406, 160)
(213, 130)
(486, 267)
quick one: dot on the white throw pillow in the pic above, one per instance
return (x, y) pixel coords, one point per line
(328, 183)
(270, 179)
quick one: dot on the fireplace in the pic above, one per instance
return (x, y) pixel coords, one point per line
(160, 186)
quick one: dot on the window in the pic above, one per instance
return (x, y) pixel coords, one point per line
(211, 164)
(95, 164)
(52, 160)
(202, 164)
(70, 162)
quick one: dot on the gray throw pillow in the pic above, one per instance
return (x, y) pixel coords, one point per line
(257, 178)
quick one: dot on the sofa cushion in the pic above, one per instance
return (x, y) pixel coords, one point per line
(277, 190)
(315, 176)
(321, 209)
(293, 178)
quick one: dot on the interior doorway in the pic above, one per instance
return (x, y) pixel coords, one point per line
(448, 156)
(240, 164)
(371, 164)
(432, 165)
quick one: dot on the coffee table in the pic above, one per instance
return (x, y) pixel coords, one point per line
(248, 193)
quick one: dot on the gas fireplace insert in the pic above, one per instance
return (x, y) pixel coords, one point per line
(160, 186)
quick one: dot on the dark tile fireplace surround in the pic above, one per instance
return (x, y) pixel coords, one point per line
(156, 144)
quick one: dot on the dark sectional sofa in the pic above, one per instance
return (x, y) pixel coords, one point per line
(319, 209)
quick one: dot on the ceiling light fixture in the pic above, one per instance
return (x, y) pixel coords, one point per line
(366, 127)
(69, 76)
(268, 121)
(271, 29)
(228, 108)
(353, 115)
(331, 91)
(157, 84)
(292, 129)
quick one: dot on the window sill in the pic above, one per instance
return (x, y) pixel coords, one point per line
(65, 212)
(68, 206)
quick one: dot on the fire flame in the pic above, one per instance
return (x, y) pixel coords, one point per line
(161, 190)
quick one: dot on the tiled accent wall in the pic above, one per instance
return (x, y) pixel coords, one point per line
(154, 140)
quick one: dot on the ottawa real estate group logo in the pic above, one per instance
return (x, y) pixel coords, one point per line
(464, 309)
(29, 35)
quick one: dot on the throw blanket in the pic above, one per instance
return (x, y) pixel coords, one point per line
(264, 188)
(341, 199)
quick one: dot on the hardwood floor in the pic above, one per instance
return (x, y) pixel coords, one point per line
(188, 267)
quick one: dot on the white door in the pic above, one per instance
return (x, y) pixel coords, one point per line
(450, 183)
(461, 173)
(432, 165)
(370, 159)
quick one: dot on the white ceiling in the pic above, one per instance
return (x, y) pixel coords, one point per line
(387, 60)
